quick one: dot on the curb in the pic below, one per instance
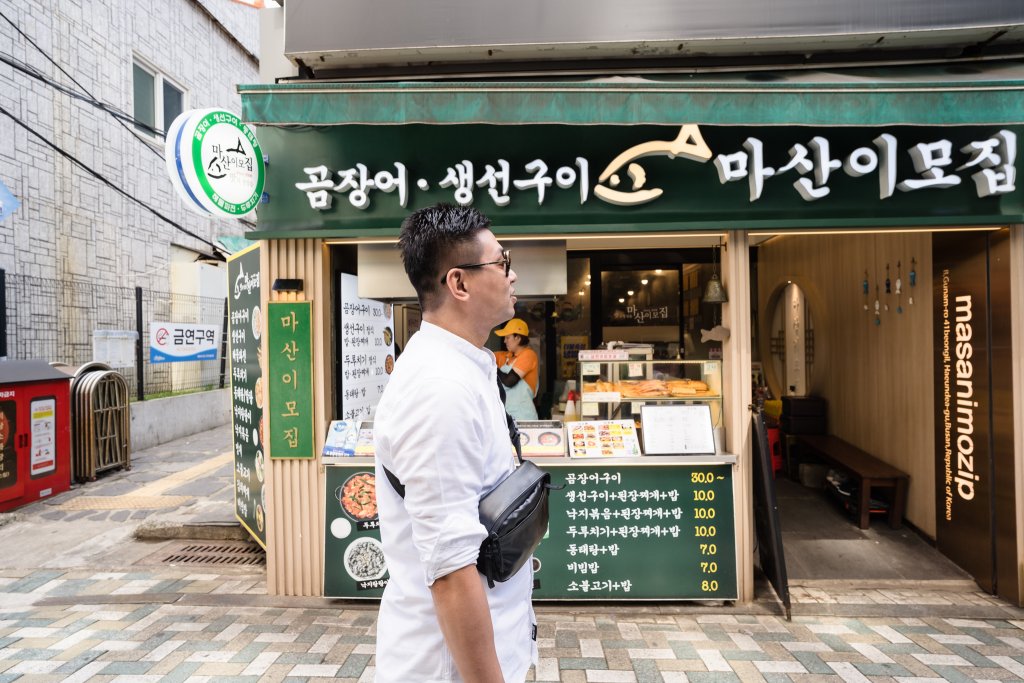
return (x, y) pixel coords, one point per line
(210, 531)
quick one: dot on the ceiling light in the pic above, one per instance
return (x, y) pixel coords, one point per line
(629, 292)
(644, 281)
(622, 301)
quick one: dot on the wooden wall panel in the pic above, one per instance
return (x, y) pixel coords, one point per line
(878, 380)
(295, 491)
(1017, 322)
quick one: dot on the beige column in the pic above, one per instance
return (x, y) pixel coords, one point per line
(1017, 327)
(736, 357)
(295, 488)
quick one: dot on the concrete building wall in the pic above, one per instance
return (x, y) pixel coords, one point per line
(71, 226)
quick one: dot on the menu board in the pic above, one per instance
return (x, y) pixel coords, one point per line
(602, 439)
(367, 350)
(354, 564)
(290, 378)
(541, 438)
(638, 532)
(616, 532)
(245, 325)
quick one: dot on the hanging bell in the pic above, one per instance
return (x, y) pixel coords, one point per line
(714, 292)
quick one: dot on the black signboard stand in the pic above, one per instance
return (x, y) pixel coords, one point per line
(766, 516)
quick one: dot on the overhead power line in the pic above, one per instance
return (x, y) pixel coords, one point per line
(99, 176)
(120, 116)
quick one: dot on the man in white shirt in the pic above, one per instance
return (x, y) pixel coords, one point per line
(440, 429)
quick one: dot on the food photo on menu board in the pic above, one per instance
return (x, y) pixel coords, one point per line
(541, 438)
(603, 439)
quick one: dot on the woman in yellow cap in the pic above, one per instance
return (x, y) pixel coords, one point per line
(517, 370)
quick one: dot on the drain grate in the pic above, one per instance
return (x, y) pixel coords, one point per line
(220, 554)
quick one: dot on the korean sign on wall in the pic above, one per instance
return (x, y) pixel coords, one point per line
(245, 331)
(176, 342)
(367, 350)
(290, 378)
(606, 177)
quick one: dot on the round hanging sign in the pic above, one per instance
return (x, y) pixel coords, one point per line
(215, 162)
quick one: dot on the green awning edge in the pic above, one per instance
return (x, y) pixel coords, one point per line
(932, 98)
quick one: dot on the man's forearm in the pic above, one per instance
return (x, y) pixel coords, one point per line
(465, 620)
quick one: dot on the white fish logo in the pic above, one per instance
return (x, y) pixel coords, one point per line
(688, 144)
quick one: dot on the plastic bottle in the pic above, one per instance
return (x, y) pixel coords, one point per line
(571, 412)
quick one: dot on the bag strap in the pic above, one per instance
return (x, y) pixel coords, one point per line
(513, 435)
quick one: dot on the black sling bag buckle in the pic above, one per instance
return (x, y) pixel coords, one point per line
(514, 514)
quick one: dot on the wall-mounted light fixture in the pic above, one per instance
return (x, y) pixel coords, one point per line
(287, 284)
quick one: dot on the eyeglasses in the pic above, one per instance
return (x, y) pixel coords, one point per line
(505, 259)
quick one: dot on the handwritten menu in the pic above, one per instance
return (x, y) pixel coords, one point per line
(245, 327)
(290, 378)
(367, 350)
(677, 430)
(603, 439)
(640, 532)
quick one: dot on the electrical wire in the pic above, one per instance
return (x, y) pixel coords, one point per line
(120, 116)
(31, 72)
(99, 176)
(73, 79)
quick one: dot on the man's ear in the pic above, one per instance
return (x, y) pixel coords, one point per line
(457, 286)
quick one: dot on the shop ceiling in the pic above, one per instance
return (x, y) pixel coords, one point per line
(444, 38)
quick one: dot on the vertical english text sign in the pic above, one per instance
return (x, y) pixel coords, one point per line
(963, 467)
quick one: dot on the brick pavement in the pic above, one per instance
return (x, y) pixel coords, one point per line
(110, 616)
(176, 624)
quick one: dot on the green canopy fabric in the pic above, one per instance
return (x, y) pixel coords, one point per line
(955, 95)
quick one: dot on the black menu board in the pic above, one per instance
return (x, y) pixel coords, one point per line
(639, 532)
(245, 331)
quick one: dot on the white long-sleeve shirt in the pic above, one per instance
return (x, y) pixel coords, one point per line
(440, 428)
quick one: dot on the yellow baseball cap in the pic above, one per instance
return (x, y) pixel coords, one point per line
(514, 326)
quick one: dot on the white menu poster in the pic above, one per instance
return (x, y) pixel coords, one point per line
(677, 430)
(367, 350)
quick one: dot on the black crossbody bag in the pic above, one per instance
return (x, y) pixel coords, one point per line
(514, 513)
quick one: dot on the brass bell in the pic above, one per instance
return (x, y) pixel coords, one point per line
(714, 292)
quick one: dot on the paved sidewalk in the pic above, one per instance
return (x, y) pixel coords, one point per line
(170, 625)
(82, 600)
(185, 482)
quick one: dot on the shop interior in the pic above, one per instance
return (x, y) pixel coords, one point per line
(863, 344)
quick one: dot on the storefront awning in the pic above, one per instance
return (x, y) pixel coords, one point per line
(954, 95)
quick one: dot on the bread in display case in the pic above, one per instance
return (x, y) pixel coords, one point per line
(616, 389)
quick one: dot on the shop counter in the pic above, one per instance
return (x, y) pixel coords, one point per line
(641, 528)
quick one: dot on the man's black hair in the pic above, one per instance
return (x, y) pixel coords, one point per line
(431, 241)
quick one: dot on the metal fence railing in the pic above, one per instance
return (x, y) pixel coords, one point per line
(59, 321)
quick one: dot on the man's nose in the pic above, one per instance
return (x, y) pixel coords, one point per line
(512, 275)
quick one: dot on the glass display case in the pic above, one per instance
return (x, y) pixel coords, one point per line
(617, 389)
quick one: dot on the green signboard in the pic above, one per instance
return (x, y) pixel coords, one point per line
(245, 329)
(648, 531)
(636, 532)
(353, 556)
(363, 180)
(290, 378)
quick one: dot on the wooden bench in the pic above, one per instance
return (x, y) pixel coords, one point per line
(867, 470)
